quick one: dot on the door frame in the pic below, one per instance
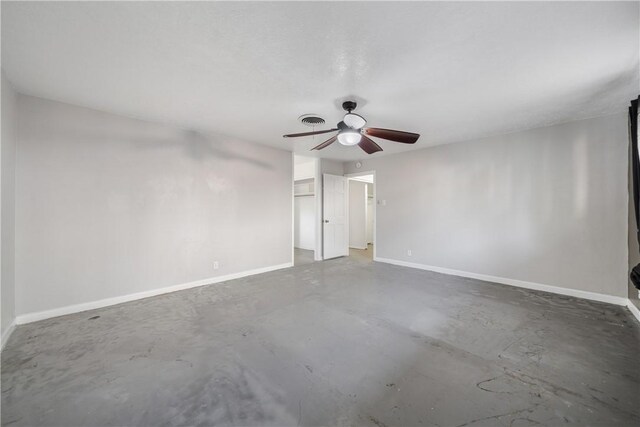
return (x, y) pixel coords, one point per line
(375, 204)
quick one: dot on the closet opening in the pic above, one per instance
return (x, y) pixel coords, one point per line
(305, 209)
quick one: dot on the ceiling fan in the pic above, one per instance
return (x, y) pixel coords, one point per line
(351, 131)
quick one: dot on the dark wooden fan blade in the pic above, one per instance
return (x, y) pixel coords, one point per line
(368, 145)
(325, 144)
(392, 135)
(318, 132)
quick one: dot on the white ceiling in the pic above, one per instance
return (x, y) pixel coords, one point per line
(449, 71)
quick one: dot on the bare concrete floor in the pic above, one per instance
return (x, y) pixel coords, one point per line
(302, 256)
(365, 255)
(342, 342)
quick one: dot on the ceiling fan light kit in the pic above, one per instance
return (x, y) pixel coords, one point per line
(349, 137)
(351, 131)
(354, 121)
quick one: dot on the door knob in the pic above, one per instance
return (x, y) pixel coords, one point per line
(326, 220)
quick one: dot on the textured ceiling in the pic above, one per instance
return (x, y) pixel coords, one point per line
(449, 71)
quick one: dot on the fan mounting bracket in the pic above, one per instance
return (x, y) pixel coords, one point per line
(349, 106)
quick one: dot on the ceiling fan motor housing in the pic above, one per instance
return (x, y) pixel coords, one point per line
(349, 105)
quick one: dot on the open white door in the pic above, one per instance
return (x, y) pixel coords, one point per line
(335, 229)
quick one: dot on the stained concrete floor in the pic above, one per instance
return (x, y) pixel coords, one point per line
(341, 342)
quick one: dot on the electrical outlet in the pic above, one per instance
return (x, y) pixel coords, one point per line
(409, 252)
(215, 265)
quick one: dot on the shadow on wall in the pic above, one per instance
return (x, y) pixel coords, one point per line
(200, 147)
(197, 145)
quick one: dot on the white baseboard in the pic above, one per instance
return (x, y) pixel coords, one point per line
(513, 282)
(7, 333)
(633, 309)
(358, 247)
(76, 308)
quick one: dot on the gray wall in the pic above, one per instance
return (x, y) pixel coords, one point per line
(108, 206)
(546, 205)
(7, 205)
(333, 167)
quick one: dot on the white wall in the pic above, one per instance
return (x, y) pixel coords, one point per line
(7, 206)
(333, 167)
(357, 214)
(303, 167)
(546, 205)
(108, 206)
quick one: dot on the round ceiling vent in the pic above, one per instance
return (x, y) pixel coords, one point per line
(311, 120)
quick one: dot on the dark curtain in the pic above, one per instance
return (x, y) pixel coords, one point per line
(635, 170)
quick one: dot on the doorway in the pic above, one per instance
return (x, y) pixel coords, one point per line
(333, 215)
(362, 212)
